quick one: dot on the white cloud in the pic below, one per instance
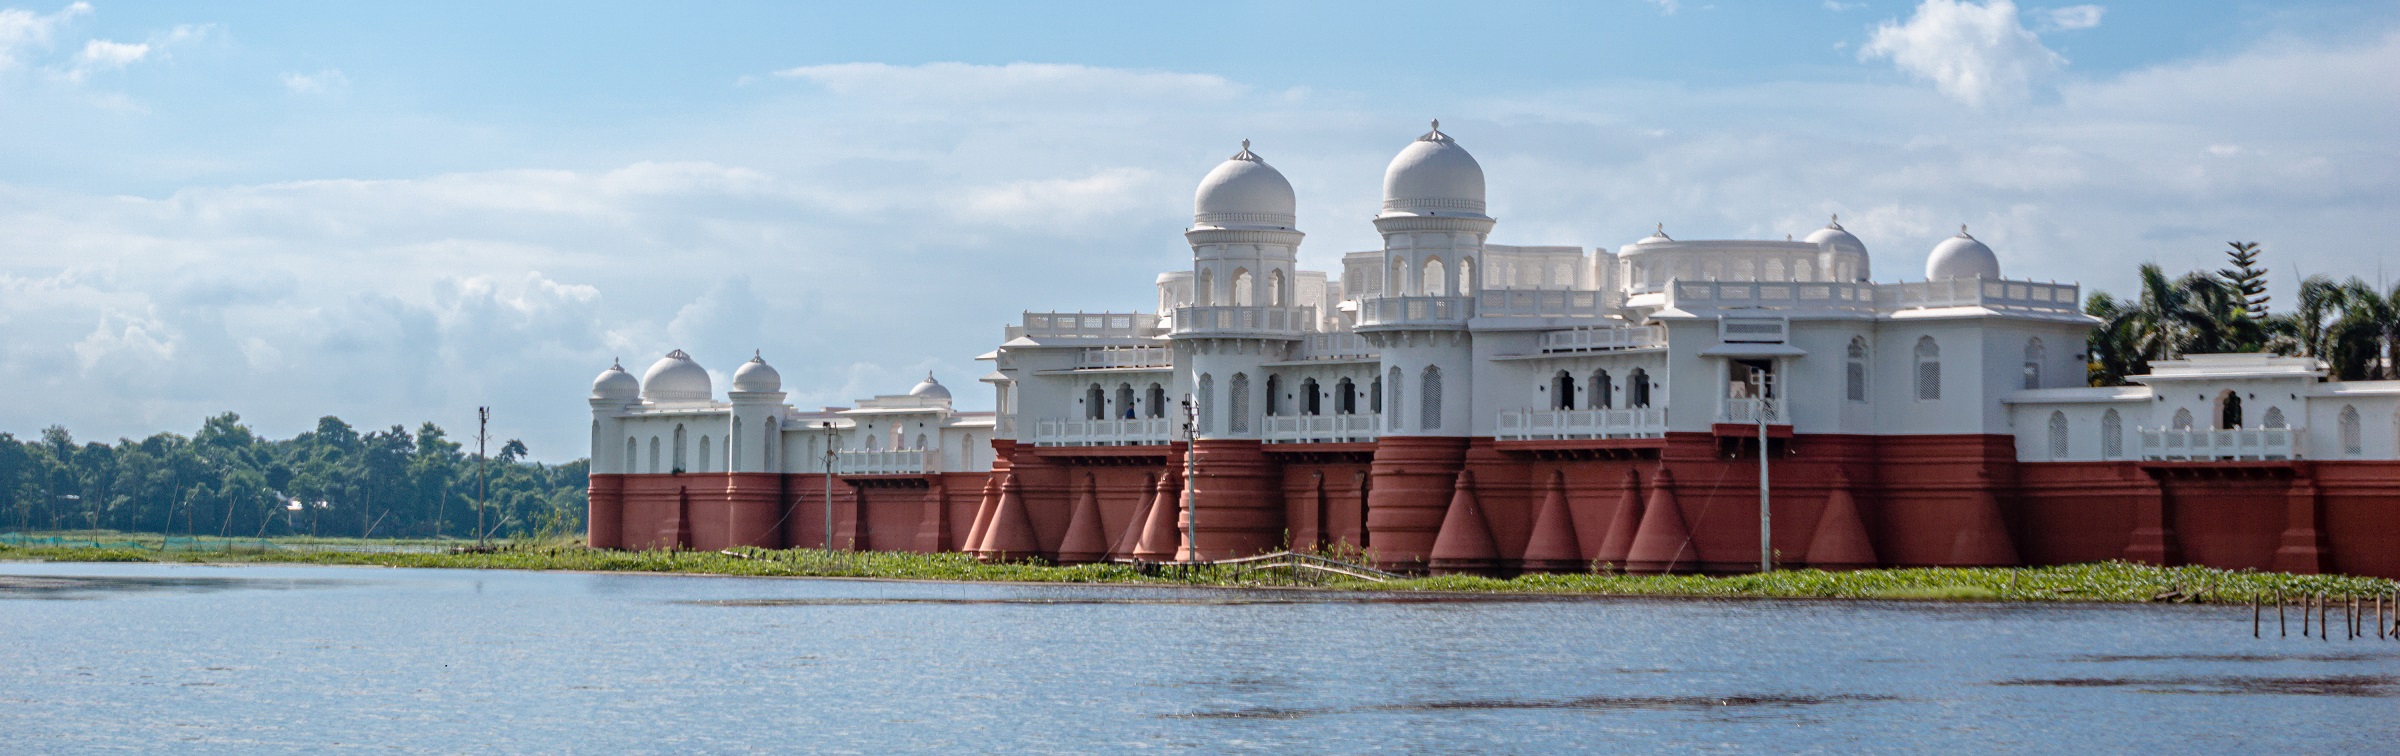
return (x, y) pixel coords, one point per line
(2072, 18)
(322, 82)
(1666, 7)
(1978, 54)
(1838, 6)
(23, 32)
(952, 82)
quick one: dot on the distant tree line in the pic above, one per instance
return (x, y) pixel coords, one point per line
(332, 481)
(2350, 324)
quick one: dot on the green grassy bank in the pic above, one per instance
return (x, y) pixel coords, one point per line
(2103, 581)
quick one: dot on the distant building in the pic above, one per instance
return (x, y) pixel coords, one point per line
(1456, 404)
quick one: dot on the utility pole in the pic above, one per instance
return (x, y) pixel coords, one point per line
(1191, 481)
(829, 458)
(483, 473)
(1766, 522)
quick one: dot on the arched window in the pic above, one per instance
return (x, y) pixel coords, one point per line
(1436, 283)
(1345, 397)
(1392, 418)
(1095, 403)
(1712, 270)
(733, 447)
(2183, 419)
(682, 462)
(874, 442)
(1276, 289)
(1466, 276)
(1237, 404)
(1206, 292)
(654, 454)
(1929, 369)
(2273, 419)
(1803, 270)
(1208, 402)
(632, 457)
(1774, 271)
(920, 442)
(1429, 395)
(704, 453)
(770, 448)
(2351, 443)
(2058, 435)
(1124, 406)
(1375, 399)
(2112, 435)
(1854, 378)
(1745, 270)
(2034, 355)
(1399, 280)
(2229, 411)
(1157, 404)
(1562, 391)
(1242, 295)
(1309, 398)
(1603, 395)
(1275, 405)
(1637, 388)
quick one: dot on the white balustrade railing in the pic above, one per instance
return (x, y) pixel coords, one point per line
(1121, 432)
(1401, 312)
(1321, 428)
(1604, 339)
(1810, 295)
(1540, 303)
(1995, 294)
(2237, 443)
(1335, 346)
(1244, 319)
(866, 462)
(1746, 411)
(1085, 325)
(1528, 424)
(1125, 357)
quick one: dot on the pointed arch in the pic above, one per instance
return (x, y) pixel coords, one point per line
(1206, 292)
(2183, 419)
(704, 454)
(733, 446)
(1637, 388)
(770, 447)
(680, 462)
(1429, 398)
(1207, 401)
(1275, 404)
(1774, 270)
(1243, 285)
(1345, 397)
(1929, 369)
(1237, 404)
(1124, 408)
(1562, 390)
(632, 457)
(1436, 278)
(2035, 355)
(2352, 444)
(2058, 434)
(1466, 276)
(1399, 279)
(2273, 419)
(1157, 401)
(1310, 403)
(1392, 384)
(2112, 435)
(1854, 376)
(1603, 395)
(1278, 290)
(653, 454)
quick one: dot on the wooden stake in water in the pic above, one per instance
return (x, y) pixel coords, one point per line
(2282, 630)
(2324, 631)
(2305, 612)
(2256, 614)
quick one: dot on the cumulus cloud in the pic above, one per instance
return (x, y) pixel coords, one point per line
(23, 32)
(321, 82)
(1980, 54)
(2072, 18)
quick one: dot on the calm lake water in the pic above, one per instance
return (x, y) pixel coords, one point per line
(196, 658)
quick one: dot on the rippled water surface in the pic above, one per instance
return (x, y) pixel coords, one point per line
(194, 658)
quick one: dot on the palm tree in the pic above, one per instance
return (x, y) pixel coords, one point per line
(2364, 342)
(2110, 351)
(2301, 332)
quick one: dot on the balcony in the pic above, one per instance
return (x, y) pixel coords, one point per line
(864, 462)
(1103, 358)
(1126, 432)
(1605, 339)
(1978, 292)
(1244, 320)
(1393, 313)
(1085, 325)
(2167, 444)
(1540, 303)
(1747, 411)
(1322, 429)
(1335, 346)
(1528, 425)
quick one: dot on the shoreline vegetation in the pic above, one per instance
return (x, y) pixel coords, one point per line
(2119, 582)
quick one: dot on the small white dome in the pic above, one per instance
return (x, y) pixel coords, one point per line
(1434, 176)
(930, 388)
(1245, 192)
(1961, 256)
(676, 378)
(1657, 237)
(756, 376)
(615, 383)
(1839, 238)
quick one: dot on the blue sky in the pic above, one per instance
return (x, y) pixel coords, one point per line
(399, 212)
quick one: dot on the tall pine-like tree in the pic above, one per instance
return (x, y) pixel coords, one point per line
(2246, 277)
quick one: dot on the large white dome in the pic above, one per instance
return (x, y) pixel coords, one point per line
(931, 389)
(615, 383)
(1245, 192)
(756, 376)
(1434, 176)
(676, 378)
(1839, 238)
(1961, 256)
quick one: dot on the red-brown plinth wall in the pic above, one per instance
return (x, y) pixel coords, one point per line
(1921, 500)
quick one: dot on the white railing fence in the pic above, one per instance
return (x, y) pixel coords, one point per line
(1321, 428)
(2237, 443)
(1119, 432)
(1529, 424)
(864, 462)
(1604, 339)
(1415, 311)
(1125, 357)
(1747, 411)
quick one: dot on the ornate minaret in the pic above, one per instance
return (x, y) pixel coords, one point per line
(612, 458)
(1434, 228)
(1243, 313)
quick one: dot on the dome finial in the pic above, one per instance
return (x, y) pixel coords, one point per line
(757, 354)
(616, 363)
(1437, 124)
(1836, 223)
(1246, 154)
(1962, 231)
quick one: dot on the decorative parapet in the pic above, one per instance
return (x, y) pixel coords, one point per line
(1085, 325)
(2169, 444)
(1125, 432)
(1605, 338)
(1527, 424)
(1979, 292)
(1101, 358)
(1304, 429)
(1390, 313)
(1244, 320)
